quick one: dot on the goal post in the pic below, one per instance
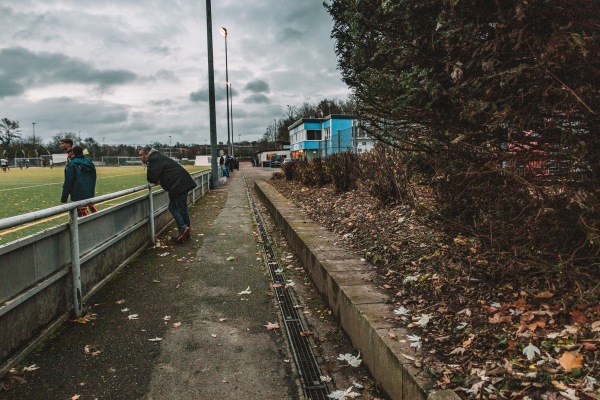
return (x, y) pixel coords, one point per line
(128, 161)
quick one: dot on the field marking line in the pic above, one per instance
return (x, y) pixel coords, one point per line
(55, 183)
(21, 227)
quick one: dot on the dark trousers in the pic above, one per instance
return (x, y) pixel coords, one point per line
(179, 210)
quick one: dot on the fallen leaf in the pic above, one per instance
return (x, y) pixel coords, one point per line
(344, 394)
(32, 367)
(271, 325)
(499, 318)
(570, 361)
(544, 295)
(156, 339)
(521, 304)
(559, 385)
(352, 360)
(530, 351)
(176, 324)
(247, 291)
(578, 317)
(570, 394)
(132, 316)
(458, 350)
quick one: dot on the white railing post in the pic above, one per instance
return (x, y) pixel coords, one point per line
(151, 212)
(75, 262)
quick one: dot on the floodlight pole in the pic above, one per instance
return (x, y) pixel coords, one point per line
(211, 100)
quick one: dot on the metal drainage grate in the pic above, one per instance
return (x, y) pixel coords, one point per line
(304, 358)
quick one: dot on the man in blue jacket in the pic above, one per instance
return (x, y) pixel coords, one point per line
(80, 180)
(166, 172)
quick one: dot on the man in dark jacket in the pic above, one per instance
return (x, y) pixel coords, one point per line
(80, 180)
(164, 171)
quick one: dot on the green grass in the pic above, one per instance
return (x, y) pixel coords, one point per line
(26, 190)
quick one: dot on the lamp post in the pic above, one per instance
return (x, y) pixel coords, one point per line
(224, 33)
(169, 145)
(211, 99)
(231, 115)
(33, 124)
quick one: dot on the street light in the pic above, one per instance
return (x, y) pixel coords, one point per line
(211, 99)
(224, 33)
(169, 145)
(231, 115)
(33, 123)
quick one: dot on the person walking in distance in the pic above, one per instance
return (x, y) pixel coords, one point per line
(164, 171)
(80, 180)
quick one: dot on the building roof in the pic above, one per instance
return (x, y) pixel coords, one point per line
(331, 116)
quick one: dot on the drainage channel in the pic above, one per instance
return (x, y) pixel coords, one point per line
(304, 358)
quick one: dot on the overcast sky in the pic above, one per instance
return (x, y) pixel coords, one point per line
(135, 72)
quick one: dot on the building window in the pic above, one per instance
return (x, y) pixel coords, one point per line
(364, 143)
(313, 135)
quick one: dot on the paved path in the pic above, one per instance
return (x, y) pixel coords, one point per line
(212, 345)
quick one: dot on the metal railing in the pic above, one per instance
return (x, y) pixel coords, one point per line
(34, 270)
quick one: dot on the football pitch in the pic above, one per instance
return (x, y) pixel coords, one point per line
(26, 190)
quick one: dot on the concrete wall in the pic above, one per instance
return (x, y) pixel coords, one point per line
(35, 272)
(362, 310)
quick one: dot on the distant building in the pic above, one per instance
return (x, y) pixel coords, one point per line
(311, 138)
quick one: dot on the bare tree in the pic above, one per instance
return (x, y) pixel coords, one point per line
(9, 130)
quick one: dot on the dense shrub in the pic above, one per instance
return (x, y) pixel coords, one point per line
(344, 171)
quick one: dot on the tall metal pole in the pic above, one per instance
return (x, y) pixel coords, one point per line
(224, 33)
(211, 100)
(33, 123)
(231, 115)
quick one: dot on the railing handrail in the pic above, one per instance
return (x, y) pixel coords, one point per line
(21, 219)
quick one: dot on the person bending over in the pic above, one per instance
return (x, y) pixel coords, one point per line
(164, 171)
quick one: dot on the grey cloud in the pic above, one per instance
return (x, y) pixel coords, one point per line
(257, 86)
(257, 99)
(291, 34)
(19, 66)
(162, 50)
(201, 95)
(161, 103)
(10, 88)
(166, 75)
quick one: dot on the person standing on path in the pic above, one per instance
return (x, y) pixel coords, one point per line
(80, 180)
(164, 171)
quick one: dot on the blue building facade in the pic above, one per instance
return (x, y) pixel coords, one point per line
(319, 137)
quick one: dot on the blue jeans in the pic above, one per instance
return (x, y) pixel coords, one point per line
(179, 210)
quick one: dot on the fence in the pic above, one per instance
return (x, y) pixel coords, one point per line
(45, 276)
